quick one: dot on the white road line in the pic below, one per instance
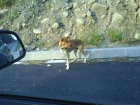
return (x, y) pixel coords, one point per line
(16, 63)
(56, 61)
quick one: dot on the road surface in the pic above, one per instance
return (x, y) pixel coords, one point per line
(91, 82)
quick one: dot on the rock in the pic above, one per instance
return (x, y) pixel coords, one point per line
(44, 1)
(99, 9)
(135, 6)
(36, 31)
(65, 14)
(19, 26)
(118, 1)
(55, 25)
(37, 49)
(103, 17)
(84, 15)
(3, 11)
(89, 13)
(24, 25)
(1, 27)
(139, 14)
(77, 10)
(49, 65)
(130, 1)
(117, 19)
(67, 34)
(26, 38)
(91, 1)
(75, 5)
(49, 30)
(45, 20)
(83, 1)
(80, 13)
(137, 36)
(71, 24)
(81, 21)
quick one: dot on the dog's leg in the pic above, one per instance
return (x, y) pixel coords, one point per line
(84, 59)
(67, 68)
(75, 51)
(81, 50)
(67, 64)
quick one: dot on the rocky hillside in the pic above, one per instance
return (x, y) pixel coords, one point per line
(99, 23)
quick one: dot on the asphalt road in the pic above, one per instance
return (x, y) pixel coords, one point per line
(104, 82)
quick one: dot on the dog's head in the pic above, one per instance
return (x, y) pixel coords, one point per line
(63, 43)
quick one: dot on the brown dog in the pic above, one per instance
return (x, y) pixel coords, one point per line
(66, 46)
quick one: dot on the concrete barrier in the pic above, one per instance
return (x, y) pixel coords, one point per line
(90, 53)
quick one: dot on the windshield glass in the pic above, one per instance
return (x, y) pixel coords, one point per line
(78, 50)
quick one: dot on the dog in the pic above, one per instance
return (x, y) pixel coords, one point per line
(66, 46)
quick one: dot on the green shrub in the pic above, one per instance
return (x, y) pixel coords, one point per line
(39, 43)
(95, 38)
(1, 22)
(114, 34)
(4, 3)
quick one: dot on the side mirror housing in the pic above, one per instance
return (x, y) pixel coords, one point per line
(11, 48)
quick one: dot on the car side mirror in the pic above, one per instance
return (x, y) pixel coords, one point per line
(11, 48)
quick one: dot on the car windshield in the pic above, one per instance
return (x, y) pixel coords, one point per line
(77, 50)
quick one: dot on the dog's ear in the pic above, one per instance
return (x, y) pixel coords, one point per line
(63, 39)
